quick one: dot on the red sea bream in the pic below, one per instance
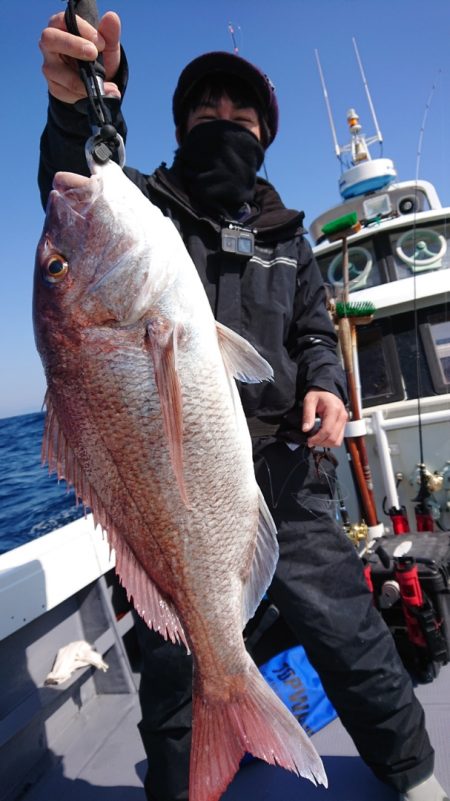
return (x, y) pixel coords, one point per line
(145, 421)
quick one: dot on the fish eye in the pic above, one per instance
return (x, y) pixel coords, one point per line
(55, 268)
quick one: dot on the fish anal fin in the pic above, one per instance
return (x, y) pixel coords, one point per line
(157, 612)
(252, 720)
(241, 359)
(264, 561)
(163, 339)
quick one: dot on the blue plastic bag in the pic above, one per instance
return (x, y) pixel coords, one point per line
(293, 678)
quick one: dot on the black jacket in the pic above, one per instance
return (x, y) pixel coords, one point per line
(275, 299)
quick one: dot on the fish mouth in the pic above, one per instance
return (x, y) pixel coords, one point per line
(78, 192)
(64, 181)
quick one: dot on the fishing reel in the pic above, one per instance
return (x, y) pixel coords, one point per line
(357, 533)
(446, 485)
(430, 484)
(433, 481)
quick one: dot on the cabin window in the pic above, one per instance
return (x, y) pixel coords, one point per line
(436, 341)
(363, 268)
(419, 250)
(379, 366)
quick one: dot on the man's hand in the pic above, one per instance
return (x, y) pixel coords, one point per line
(333, 415)
(60, 49)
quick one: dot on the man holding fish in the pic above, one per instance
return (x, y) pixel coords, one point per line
(263, 285)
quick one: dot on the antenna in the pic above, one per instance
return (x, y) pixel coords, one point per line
(379, 136)
(337, 148)
(358, 147)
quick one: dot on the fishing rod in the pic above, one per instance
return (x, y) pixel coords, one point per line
(105, 142)
(348, 316)
(235, 31)
(232, 30)
(424, 518)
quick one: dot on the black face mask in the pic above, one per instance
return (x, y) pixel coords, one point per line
(218, 162)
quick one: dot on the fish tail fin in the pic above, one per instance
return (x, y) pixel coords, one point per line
(253, 721)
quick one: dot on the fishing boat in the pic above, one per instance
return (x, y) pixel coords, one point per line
(75, 736)
(383, 252)
(388, 266)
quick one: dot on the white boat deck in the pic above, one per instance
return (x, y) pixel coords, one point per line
(86, 769)
(79, 741)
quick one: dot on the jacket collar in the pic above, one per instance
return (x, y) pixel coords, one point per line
(268, 214)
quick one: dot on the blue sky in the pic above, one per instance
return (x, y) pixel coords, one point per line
(405, 48)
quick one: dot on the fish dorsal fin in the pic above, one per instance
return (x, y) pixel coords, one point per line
(241, 359)
(264, 561)
(157, 612)
(162, 339)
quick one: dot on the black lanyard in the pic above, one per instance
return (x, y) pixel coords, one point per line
(106, 140)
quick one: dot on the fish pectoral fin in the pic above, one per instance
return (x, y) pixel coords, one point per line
(241, 359)
(163, 339)
(264, 561)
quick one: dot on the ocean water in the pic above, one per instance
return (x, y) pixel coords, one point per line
(32, 503)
